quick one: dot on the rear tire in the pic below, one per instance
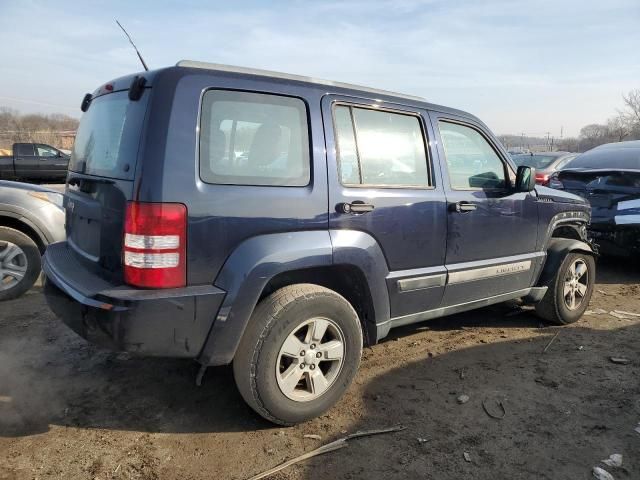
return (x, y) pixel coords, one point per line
(569, 291)
(20, 263)
(299, 353)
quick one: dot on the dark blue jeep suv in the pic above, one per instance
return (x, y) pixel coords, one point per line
(279, 222)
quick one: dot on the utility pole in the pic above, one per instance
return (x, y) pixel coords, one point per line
(522, 143)
(561, 131)
(548, 144)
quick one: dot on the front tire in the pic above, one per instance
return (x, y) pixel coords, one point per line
(299, 353)
(20, 263)
(569, 291)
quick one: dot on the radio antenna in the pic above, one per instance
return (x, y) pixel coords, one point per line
(134, 46)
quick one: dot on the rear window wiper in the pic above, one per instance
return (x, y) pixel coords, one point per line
(80, 180)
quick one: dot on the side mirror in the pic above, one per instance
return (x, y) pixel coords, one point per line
(525, 179)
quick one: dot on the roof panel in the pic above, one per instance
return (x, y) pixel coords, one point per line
(287, 76)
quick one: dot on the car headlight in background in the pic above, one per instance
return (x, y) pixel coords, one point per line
(51, 197)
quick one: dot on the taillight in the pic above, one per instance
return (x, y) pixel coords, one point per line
(155, 245)
(542, 178)
(554, 182)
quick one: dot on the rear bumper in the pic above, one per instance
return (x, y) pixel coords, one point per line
(167, 323)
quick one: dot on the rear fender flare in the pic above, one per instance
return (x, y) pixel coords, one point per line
(352, 247)
(259, 259)
(245, 274)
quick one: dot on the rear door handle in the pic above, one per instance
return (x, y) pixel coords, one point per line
(355, 207)
(461, 207)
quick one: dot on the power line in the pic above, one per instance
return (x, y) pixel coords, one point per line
(35, 102)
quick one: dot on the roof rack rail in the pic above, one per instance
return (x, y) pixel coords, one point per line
(287, 76)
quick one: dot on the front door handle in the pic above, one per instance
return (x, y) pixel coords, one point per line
(462, 207)
(355, 207)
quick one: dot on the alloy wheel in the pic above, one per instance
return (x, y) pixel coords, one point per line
(576, 283)
(310, 359)
(13, 265)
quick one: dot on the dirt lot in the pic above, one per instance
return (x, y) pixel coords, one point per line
(69, 410)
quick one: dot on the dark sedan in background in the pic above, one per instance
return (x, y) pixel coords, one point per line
(31, 217)
(608, 176)
(545, 163)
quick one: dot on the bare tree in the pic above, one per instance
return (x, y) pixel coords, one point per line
(619, 127)
(51, 129)
(632, 106)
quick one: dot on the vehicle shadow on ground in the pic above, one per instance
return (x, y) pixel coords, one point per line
(58, 378)
(139, 394)
(616, 270)
(50, 376)
(565, 409)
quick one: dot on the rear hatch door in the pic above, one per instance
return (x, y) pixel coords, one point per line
(101, 180)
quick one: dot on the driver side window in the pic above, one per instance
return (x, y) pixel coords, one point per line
(471, 160)
(45, 151)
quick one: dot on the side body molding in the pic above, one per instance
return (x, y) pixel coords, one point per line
(244, 276)
(359, 249)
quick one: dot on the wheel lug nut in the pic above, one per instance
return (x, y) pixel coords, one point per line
(302, 365)
(312, 366)
(318, 355)
(302, 353)
(313, 346)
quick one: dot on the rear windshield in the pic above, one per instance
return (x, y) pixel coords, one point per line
(608, 158)
(107, 141)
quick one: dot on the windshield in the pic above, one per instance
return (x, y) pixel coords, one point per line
(539, 162)
(609, 158)
(107, 141)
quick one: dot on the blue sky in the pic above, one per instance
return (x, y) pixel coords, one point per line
(521, 66)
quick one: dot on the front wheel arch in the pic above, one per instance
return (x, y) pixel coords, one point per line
(557, 250)
(569, 290)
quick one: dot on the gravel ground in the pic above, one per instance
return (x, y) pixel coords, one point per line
(70, 410)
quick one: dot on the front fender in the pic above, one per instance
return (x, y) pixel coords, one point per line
(23, 216)
(557, 249)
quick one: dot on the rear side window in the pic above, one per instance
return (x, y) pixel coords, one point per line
(23, 150)
(380, 148)
(253, 139)
(471, 160)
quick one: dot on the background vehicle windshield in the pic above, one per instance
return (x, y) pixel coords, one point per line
(539, 162)
(610, 158)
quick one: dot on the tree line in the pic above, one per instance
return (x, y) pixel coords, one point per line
(55, 129)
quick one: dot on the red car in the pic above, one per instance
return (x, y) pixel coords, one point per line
(545, 163)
